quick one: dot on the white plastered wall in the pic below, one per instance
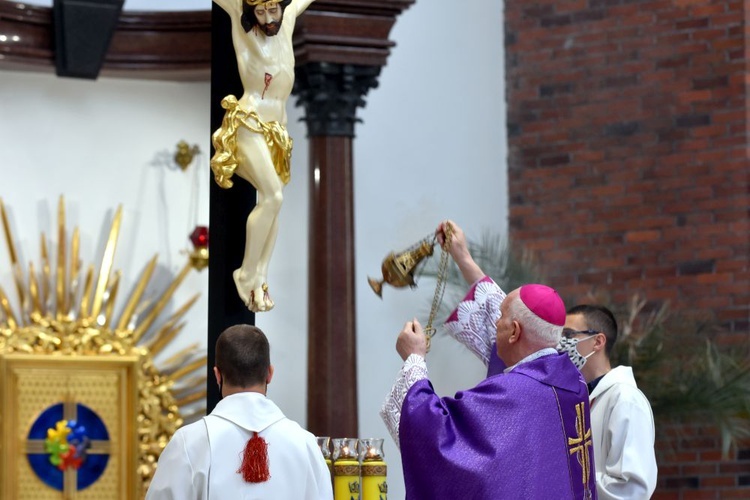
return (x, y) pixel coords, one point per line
(432, 146)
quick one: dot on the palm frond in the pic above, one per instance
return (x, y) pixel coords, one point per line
(684, 371)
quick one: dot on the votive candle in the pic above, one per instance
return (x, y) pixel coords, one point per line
(374, 470)
(346, 469)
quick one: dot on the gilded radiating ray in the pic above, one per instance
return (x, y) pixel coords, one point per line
(109, 299)
(75, 271)
(8, 237)
(166, 336)
(188, 368)
(178, 359)
(135, 297)
(179, 313)
(189, 384)
(45, 273)
(168, 331)
(61, 244)
(83, 308)
(14, 263)
(71, 314)
(192, 398)
(163, 300)
(106, 267)
(36, 305)
(194, 390)
(9, 318)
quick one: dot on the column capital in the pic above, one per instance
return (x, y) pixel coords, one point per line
(331, 94)
(340, 47)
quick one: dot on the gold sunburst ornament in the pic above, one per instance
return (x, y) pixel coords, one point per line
(85, 410)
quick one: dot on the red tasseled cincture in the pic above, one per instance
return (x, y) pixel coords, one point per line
(254, 468)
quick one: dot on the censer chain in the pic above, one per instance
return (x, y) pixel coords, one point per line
(437, 299)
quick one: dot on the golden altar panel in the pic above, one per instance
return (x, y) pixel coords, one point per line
(64, 355)
(107, 385)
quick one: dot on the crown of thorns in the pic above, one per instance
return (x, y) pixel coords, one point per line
(260, 2)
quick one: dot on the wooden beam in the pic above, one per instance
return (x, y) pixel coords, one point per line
(145, 45)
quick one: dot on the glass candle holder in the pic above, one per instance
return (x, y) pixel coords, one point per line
(345, 448)
(324, 443)
(346, 469)
(374, 469)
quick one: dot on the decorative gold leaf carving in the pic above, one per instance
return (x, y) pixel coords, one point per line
(67, 328)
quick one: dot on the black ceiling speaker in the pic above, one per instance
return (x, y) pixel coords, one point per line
(83, 31)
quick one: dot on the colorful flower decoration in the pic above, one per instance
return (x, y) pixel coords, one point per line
(66, 444)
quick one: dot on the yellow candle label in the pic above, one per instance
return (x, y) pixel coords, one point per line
(374, 485)
(346, 485)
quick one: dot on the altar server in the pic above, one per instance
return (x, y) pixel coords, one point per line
(621, 418)
(246, 447)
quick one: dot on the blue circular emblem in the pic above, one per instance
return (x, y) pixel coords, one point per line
(79, 444)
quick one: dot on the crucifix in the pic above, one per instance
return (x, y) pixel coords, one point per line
(334, 70)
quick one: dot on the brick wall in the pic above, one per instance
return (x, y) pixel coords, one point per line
(628, 169)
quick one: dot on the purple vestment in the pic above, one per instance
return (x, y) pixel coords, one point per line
(524, 434)
(496, 364)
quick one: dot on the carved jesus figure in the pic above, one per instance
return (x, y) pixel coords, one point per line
(253, 141)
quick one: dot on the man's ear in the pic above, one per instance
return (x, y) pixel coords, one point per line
(516, 332)
(217, 374)
(600, 342)
(270, 374)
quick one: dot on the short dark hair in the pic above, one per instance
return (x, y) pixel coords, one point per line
(248, 18)
(598, 318)
(243, 356)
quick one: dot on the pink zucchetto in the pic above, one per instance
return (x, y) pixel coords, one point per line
(544, 302)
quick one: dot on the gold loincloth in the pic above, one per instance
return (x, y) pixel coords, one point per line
(224, 161)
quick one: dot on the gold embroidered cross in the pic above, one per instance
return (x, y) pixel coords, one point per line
(579, 445)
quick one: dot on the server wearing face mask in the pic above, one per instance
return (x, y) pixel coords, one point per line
(622, 423)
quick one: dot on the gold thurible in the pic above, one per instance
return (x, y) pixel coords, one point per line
(398, 271)
(398, 268)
